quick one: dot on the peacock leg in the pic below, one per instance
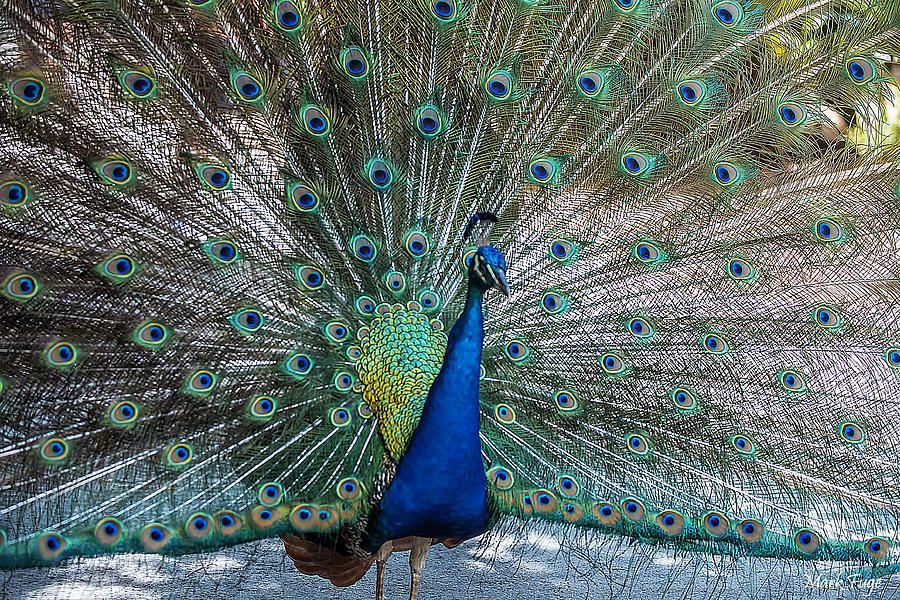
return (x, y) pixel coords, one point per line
(417, 555)
(380, 560)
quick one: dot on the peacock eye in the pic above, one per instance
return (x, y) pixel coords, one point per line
(138, 84)
(61, 355)
(792, 114)
(312, 278)
(728, 13)
(505, 413)
(542, 170)
(852, 432)
(365, 305)
(638, 444)
(647, 252)
(828, 231)
(380, 174)
(743, 444)
(247, 321)
(640, 327)
(562, 250)
(429, 300)
(565, 400)
(179, 455)
(740, 270)
(248, 87)
(444, 10)
(792, 381)
(499, 85)
(201, 382)
(612, 363)
(27, 90)
(340, 417)
(262, 407)
(287, 15)
(826, 317)
(692, 92)
(304, 198)
(21, 286)
(395, 282)
(123, 413)
(364, 248)
(683, 398)
(726, 173)
(590, 83)
(417, 244)
(861, 70)
(315, 121)
(428, 121)
(13, 193)
(517, 350)
(115, 171)
(299, 364)
(214, 177)
(635, 163)
(715, 344)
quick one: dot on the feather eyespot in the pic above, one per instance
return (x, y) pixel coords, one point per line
(544, 502)
(807, 541)
(828, 231)
(750, 530)
(501, 478)
(365, 305)
(692, 92)
(21, 286)
(429, 299)
(151, 335)
(354, 353)
(892, 356)
(670, 521)
(505, 413)
(627, 5)
(355, 63)
(542, 170)
(567, 486)
(340, 417)
(716, 524)
(138, 84)
(214, 177)
(13, 193)
(303, 198)
(395, 281)
(683, 398)
(299, 365)
(792, 381)
(565, 401)
(517, 351)
(222, 252)
(343, 381)
(364, 410)
(590, 83)
(562, 250)
(499, 85)
(364, 248)
(612, 363)
(743, 444)
(726, 173)
(647, 252)
(852, 432)
(287, 15)
(792, 114)
(878, 548)
(861, 70)
(380, 174)
(199, 526)
(728, 13)
(740, 270)
(108, 531)
(417, 244)
(638, 444)
(607, 514)
(270, 494)
(302, 517)
(123, 414)
(27, 90)
(55, 450)
(315, 121)
(826, 317)
(179, 455)
(61, 355)
(263, 517)
(50, 545)
(640, 327)
(632, 509)
(248, 88)
(715, 344)
(552, 303)
(247, 321)
(227, 522)
(200, 382)
(155, 537)
(443, 10)
(312, 278)
(428, 121)
(115, 171)
(349, 489)
(263, 407)
(118, 267)
(635, 163)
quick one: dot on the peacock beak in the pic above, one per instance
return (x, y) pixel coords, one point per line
(500, 283)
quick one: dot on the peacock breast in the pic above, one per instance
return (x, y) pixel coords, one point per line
(402, 352)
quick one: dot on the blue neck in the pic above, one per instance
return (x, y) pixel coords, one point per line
(439, 488)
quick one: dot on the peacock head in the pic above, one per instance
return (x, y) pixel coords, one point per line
(488, 270)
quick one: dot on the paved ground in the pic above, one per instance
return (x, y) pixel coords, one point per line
(504, 568)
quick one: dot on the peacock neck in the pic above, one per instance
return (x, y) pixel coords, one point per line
(439, 488)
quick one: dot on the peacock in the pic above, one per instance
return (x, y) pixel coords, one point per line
(373, 275)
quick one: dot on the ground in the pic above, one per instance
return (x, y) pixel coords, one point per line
(505, 567)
